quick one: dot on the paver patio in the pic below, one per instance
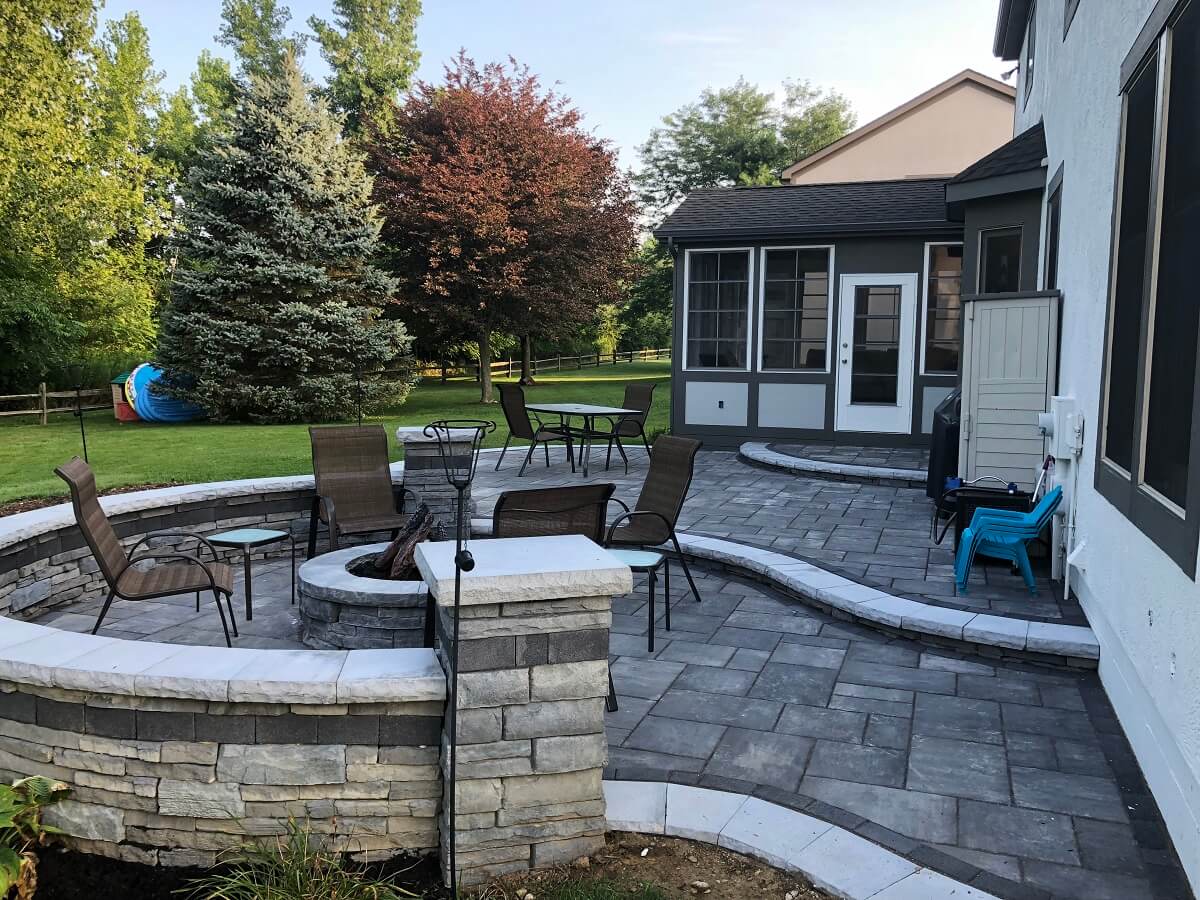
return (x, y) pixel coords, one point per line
(1015, 778)
(886, 457)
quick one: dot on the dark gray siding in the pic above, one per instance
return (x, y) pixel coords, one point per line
(852, 256)
(1023, 209)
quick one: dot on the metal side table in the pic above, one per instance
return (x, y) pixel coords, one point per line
(248, 539)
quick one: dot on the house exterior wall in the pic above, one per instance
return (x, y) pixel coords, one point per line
(753, 403)
(1024, 209)
(1145, 610)
(941, 137)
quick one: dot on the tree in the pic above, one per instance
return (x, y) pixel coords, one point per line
(735, 135)
(646, 317)
(253, 29)
(371, 48)
(502, 214)
(77, 208)
(275, 308)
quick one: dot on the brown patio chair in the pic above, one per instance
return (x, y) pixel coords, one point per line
(173, 572)
(512, 401)
(355, 494)
(652, 520)
(577, 509)
(639, 396)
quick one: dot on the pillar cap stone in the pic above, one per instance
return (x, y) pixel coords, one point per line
(525, 569)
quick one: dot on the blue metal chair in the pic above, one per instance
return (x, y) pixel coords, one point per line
(1002, 534)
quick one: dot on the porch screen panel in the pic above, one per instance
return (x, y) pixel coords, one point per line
(795, 309)
(875, 374)
(1176, 310)
(1128, 290)
(943, 311)
(718, 309)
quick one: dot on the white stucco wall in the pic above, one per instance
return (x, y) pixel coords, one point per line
(1144, 609)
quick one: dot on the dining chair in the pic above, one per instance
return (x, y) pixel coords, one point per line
(173, 572)
(639, 396)
(512, 401)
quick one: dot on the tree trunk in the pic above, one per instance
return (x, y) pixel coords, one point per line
(526, 359)
(485, 366)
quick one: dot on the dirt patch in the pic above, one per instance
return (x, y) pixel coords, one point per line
(672, 865)
(19, 506)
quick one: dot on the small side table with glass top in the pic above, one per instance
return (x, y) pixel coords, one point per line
(248, 539)
(650, 561)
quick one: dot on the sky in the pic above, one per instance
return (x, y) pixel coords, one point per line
(627, 63)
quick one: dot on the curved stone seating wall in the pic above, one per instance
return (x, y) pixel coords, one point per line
(341, 611)
(44, 560)
(174, 753)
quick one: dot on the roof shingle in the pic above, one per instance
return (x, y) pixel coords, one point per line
(909, 206)
(1024, 153)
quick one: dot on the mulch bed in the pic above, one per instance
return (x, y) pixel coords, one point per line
(19, 506)
(67, 875)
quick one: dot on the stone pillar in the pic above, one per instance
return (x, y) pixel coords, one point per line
(425, 476)
(534, 623)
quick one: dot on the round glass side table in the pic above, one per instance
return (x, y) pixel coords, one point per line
(248, 539)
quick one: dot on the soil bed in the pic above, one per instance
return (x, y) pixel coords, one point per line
(672, 865)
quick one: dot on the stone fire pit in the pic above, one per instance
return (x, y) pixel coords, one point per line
(343, 611)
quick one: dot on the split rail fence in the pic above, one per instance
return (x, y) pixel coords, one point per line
(510, 367)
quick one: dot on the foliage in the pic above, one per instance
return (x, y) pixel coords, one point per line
(501, 212)
(646, 316)
(294, 867)
(371, 48)
(253, 29)
(22, 830)
(275, 303)
(78, 208)
(204, 451)
(608, 329)
(737, 135)
(585, 888)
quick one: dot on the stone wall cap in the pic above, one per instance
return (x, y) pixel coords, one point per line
(415, 434)
(524, 569)
(36, 522)
(42, 656)
(327, 578)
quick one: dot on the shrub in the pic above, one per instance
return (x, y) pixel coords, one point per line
(21, 830)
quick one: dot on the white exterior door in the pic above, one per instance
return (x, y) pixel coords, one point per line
(874, 353)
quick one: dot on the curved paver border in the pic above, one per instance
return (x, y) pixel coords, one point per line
(832, 858)
(1074, 643)
(761, 454)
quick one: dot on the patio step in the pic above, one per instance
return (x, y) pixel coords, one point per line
(761, 454)
(1073, 645)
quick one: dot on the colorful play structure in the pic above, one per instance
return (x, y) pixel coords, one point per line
(135, 399)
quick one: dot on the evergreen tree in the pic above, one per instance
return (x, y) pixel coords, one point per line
(275, 306)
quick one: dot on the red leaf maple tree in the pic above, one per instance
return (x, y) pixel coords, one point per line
(502, 214)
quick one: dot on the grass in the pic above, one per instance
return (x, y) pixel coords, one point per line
(154, 454)
(585, 888)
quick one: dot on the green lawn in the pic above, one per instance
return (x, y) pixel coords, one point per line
(147, 454)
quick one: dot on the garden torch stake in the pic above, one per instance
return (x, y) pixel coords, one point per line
(460, 471)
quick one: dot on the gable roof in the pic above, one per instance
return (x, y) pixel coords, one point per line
(966, 75)
(859, 208)
(1023, 153)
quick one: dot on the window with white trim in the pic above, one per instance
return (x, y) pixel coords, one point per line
(718, 309)
(1147, 447)
(795, 314)
(943, 308)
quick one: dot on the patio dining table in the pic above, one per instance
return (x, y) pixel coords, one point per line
(589, 414)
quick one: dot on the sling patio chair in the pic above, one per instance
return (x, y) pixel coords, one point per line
(639, 396)
(355, 494)
(512, 401)
(652, 520)
(1003, 534)
(577, 509)
(173, 572)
